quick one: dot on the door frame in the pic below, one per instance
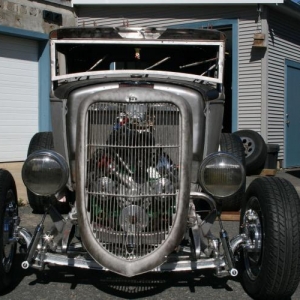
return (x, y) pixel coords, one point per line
(234, 76)
(293, 64)
(43, 69)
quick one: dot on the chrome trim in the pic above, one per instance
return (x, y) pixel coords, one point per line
(210, 200)
(219, 163)
(37, 172)
(25, 235)
(184, 265)
(237, 241)
(156, 258)
(145, 73)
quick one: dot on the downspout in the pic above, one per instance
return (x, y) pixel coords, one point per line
(264, 70)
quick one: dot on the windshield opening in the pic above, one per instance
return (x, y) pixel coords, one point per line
(191, 59)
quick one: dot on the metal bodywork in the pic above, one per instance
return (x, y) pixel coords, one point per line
(136, 37)
(135, 238)
(134, 139)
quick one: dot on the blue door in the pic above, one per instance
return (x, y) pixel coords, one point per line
(292, 115)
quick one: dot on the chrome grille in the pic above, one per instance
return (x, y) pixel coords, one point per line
(133, 155)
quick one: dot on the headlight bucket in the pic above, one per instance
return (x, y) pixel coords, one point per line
(221, 175)
(45, 172)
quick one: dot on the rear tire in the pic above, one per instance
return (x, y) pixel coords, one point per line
(43, 141)
(232, 144)
(255, 150)
(8, 214)
(271, 212)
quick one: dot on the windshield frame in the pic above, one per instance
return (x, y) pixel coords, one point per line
(55, 77)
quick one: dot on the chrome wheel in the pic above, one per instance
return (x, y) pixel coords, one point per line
(270, 223)
(249, 145)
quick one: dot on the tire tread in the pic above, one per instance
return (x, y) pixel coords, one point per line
(281, 206)
(6, 182)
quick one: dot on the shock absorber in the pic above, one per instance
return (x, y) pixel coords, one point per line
(34, 242)
(227, 250)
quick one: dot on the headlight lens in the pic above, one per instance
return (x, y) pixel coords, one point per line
(45, 172)
(221, 175)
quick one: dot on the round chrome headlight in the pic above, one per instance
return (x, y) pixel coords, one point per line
(221, 175)
(45, 172)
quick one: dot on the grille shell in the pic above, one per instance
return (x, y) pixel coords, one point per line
(129, 207)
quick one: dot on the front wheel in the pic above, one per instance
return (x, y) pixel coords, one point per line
(8, 223)
(270, 218)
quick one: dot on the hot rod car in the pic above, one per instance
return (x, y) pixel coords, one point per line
(137, 170)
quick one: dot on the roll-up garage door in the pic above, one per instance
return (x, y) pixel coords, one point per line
(18, 96)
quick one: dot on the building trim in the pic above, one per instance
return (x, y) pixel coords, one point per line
(23, 33)
(264, 77)
(182, 2)
(234, 24)
(293, 64)
(44, 87)
(44, 70)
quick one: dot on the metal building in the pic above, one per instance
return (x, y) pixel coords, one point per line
(25, 70)
(262, 65)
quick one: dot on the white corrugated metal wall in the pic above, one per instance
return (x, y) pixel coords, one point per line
(152, 15)
(249, 78)
(18, 97)
(283, 43)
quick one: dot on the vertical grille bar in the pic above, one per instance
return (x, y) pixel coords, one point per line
(132, 177)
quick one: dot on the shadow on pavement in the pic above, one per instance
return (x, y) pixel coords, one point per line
(141, 286)
(295, 173)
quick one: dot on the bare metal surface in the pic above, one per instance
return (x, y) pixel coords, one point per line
(129, 256)
(125, 199)
(138, 37)
(25, 235)
(179, 266)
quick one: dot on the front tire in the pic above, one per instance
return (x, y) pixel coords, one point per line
(8, 222)
(271, 217)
